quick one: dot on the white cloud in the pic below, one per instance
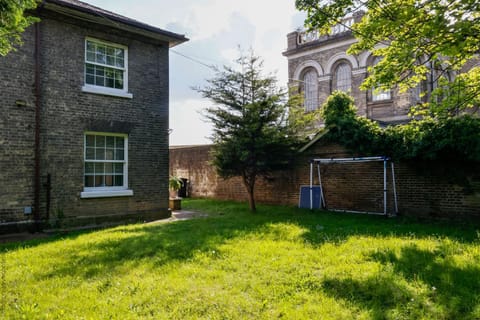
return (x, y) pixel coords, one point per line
(216, 28)
(189, 126)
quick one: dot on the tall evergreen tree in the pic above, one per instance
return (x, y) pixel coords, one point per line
(253, 134)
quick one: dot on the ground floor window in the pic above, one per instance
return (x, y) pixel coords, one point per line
(105, 164)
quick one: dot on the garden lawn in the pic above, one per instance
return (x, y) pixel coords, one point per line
(281, 262)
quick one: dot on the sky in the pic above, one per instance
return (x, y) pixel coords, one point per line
(216, 29)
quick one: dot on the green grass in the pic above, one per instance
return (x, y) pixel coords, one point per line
(279, 263)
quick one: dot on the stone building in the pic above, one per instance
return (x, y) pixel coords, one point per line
(84, 120)
(319, 65)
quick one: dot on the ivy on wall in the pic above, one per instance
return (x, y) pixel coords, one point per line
(448, 147)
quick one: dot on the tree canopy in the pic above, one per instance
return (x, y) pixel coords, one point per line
(418, 40)
(256, 129)
(13, 22)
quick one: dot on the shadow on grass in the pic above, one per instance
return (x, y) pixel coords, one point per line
(378, 295)
(107, 252)
(450, 291)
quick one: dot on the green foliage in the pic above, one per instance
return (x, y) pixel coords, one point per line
(175, 183)
(338, 107)
(355, 133)
(283, 262)
(417, 40)
(13, 22)
(253, 131)
(450, 140)
(444, 147)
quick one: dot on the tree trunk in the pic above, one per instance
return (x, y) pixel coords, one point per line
(249, 183)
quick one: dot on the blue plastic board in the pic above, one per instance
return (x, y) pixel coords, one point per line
(305, 197)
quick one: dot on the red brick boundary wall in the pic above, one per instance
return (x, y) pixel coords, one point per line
(349, 186)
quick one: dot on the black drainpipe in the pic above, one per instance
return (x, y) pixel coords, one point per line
(36, 209)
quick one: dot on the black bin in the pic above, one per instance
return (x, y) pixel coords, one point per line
(182, 192)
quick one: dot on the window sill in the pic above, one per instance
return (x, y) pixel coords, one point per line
(106, 194)
(107, 91)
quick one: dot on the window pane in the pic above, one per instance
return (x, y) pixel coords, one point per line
(120, 142)
(100, 81)
(99, 168)
(119, 154)
(89, 168)
(109, 168)
(118, 79)
(110, 51)
(100, 71)
(99, 154)
(110, 60)
(100, 141)
(90, 56)
(90, 140)
(119, 62)
(118, 181)
(110, 142)
(310, 90)
(108, 181)
(90, 154)
(119, 168)
(89, 79)
(90, 46)
(89, 181)
(109, 82)
(344, 77)
(109, 154)
(99, 181)
(101, 49)
(90, 69)
(119, 53)
(100, 58)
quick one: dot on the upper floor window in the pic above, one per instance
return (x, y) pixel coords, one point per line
(310, 90)
(343, 77)
(379, 95)
(106, 70)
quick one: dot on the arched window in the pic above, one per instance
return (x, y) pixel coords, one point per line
(310, 90)
(379, 95)
(343, 77)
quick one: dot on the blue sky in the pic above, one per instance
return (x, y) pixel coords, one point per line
(216, 28)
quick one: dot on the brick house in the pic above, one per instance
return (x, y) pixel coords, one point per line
(84, 120)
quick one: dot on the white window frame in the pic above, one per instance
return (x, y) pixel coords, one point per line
(90, 88)
(114, 191)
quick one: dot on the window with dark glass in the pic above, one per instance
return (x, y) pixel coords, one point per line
(105, 65)
(105, 161)
(310, 90)
(343, 76)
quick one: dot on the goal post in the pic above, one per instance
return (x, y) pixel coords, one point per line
(318, 162)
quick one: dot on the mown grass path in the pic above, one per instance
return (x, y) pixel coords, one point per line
(279, 263)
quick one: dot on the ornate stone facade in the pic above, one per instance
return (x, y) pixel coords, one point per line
(326, 57)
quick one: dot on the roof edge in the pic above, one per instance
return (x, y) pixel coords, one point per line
(315, 139)
(172, 37)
